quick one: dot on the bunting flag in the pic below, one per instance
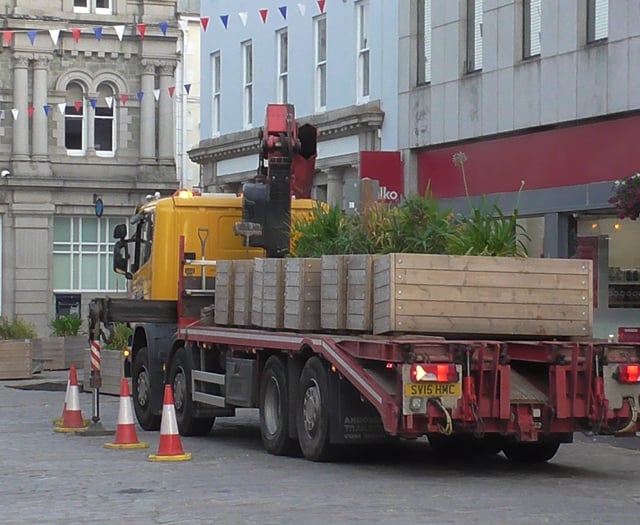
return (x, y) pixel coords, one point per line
(244, 16)
(321, 5)
(109, 101)
(47, 109)
(98, 32)
(123, 98)
(119, 31)
(32, 36)
(302, 8)
(283, 11)
(205, 22)
(94, 102)
(184, 24)
(62, 107)
(225, 21)
(187, 88)
(76, 34)
(1, 114)
(54, 34)
(140, 96)
(15, 112)
(171, 90)
(264, 13)
(78, 105)
(164, 26)
(7, 35)
(142, 29)
(30, 110)
(156, 94)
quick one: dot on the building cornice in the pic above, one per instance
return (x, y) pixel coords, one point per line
(341, 122)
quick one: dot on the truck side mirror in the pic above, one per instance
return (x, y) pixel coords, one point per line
(120, 231)
(121, 257)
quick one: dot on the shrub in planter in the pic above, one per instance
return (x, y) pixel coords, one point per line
(15, 348)
(66, 325)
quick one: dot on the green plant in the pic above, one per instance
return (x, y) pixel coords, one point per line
(118, 336)
(626, 197)
(16, 329)
(66, 325)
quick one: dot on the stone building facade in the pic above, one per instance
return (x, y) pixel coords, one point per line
(87, 131)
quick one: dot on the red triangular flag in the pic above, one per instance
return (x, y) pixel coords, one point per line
(31, 109)
(263, 14)
(78, 105)
(142, 28)
(124, 97)
(7, 37)
(205, 22)
(171, 90)
(321, 5)
(76, 34)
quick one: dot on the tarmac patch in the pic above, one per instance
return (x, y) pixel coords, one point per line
(47, 387)
(134, 491)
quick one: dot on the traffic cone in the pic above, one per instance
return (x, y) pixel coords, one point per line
(126, 436)
(58, 421)
(169, 446)
(72, 416)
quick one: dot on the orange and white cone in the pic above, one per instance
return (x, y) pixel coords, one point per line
(169, 446)
(126, 436)
(72, 416)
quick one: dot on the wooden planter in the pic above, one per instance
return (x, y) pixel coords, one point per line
(16, 359)
(267, 303)
(302, 293)
(499, 296)
(75, 347)
(51, 351)
(224, 297)
(111, 371)
(242, 292)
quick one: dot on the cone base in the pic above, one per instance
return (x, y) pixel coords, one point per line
(69, 430)
(180, 457)
(124, 446)
(58, 422)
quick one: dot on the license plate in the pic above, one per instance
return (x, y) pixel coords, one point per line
(433, 390)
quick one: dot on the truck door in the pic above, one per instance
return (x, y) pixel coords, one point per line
(142, 261)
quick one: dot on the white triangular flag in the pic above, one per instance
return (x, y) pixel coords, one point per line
(109, 101)
(61, 107)
(15, 112)
(184, 24)
(244, 16)
(119, 32)
(156, 94)
(54, 34)
(302, 8)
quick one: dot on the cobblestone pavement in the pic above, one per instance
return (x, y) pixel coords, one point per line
(52, 478)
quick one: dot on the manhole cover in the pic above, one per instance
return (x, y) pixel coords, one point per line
(47, 387)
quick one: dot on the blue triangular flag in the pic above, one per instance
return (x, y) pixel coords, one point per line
(46, 108)
(98, 32)
(1, 114)
(93, 102)
(32, 36)
(283, 11)
(225, 20)
(187, 88)
(163, 27)
(140, 95)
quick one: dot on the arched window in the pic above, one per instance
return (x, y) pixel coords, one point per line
(74, 120)
(104, 125)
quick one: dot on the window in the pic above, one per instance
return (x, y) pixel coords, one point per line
(282, 39)
(247, 81)
(74, 120)
(103, 123)
(320, 24)
(424, 41)
(474, 35)
(532, 17)
(100, 7)
(83, 255)
(363, 50)
(597, 20)
(215, 90)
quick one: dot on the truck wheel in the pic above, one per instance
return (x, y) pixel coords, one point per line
(141, 386)
(180, 378)
(274, 409)
(530, 452)
(312, 412)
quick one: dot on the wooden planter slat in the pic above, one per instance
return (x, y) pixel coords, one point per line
(16, 359)
(243, 282)
(223, 312)
(302, 293)
(267, 304)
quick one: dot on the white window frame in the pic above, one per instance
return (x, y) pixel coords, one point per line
(320, 59)
(597, 20)
(216, 66)
(247, 83)
(282, 54)
(531, 28)
(83, 120)
(79, 251)
(104, 152)
(424, 41)
(474, 35)
(90, 6)
(364, 52)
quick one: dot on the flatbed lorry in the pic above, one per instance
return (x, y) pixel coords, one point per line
(318, 391)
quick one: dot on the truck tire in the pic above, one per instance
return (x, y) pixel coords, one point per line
(180, 378)
(274, 409)
(530, 452)
(312, 412)
(141, 386)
